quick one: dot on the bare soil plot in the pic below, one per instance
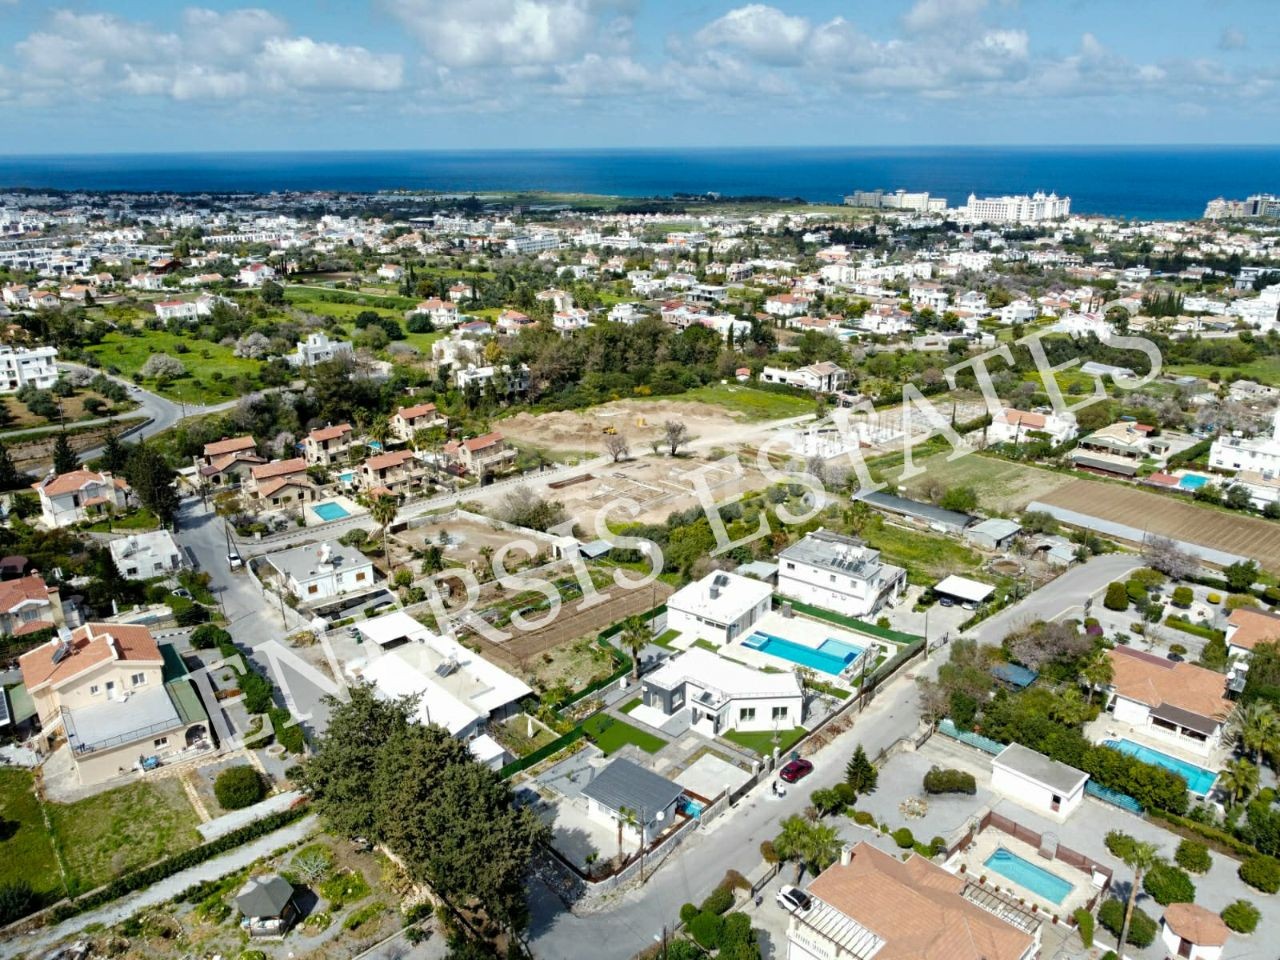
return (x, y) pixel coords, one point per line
(1230, 532)
(464, 539)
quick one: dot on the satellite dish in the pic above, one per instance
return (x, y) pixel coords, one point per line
(661, 815)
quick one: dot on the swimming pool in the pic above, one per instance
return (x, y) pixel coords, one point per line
(831, 656)
(330, 511)
(1199, 780)
(347, 477)
(1026, 874)
(1192, 481)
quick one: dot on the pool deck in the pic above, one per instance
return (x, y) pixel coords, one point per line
(352, 509)
(804, 632)
(1106, 727)
(990, 840)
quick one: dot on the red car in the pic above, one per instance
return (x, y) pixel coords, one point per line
(796, 770)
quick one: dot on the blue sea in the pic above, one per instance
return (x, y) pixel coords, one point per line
(1139, 182)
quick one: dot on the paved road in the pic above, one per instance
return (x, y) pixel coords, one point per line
(1066, 594)
(166, 889)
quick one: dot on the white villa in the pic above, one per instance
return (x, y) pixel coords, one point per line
(318, 348)
(1176, 703)
(838, 573)
(22, 366)
(1038, 782)
(720, 607)
(313, 573)
(723, 695)
(1260, 454)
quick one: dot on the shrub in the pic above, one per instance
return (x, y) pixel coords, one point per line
(207, 636)
(191, 615)
(938, 780)
(1117, 597)
(705, 928)
(239, 787)
(1167, 884)
(1262, 873)
(17, 899)
(1142, 929)
(362, 916)
(863, 818)
(767, 852)
(736, 935)
(1213, 598)
(1119, 843)
(687, 912)
(903, 838)
(1084, 922)
(1182, 597)
(1193, 856)
(1241, 916)
(718, 901)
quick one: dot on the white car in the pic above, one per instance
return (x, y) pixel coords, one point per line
(793, 899)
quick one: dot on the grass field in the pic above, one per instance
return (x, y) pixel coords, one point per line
(762, 741)
(211, 368)
(927, 557)
(112, 833)
(1002, 486)
(26, 852)
(754, 404)
(611, 735)
(1264, 370)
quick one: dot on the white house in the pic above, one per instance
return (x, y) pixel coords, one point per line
(926, 295)
(321, 572)
(1249, 453)
(22, 366)
(1177, 703)
(256, 274)
(141, 556)
(442, 313)
(1038, 782)
(720, 607)
(824, 377)
(1190, 931)
(391, 271)
(838, 573)
(457, 688)
(318, 348)
(723, 695)
(1019, 426)
(1020, 311)
(1247, 628)
(68, 498)
(786, 305)
(635, 801)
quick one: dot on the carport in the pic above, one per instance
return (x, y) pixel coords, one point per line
(963, 589)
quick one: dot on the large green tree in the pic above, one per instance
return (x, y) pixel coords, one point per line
(153, 482)
(64, 458)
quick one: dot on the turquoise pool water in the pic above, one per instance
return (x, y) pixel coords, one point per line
(1026, 874)
(831, 656)
(1192, 481)
(347, 476)
(1199, 780)
(330, 511)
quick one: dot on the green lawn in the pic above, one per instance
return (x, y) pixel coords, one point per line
(762, 741)
(109, 834)
(211, 368)
(26, 852)
(664, 639)
(927, 557)
(1264, 370)
(140, 519)
(754, 404)
(611, 735)
(631, 705)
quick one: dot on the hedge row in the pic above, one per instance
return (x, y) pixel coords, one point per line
(1215, 837)
(1195, 629)
(176, 864)
(818, 613)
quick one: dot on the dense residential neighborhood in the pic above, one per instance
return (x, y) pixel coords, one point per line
(427, 574)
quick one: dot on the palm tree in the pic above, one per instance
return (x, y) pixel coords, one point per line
(1097, 674)
(379, 430)
(1140, 858)
(634, 637)
(809, 844)
(1255, 728)
(1238, 779)
(384, 509)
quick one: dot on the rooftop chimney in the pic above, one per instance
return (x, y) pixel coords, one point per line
(846, 855)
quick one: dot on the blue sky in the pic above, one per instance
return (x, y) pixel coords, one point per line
(120, 76)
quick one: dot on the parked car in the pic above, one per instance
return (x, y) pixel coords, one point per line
(796, 770)
(234, 561)
(946, 602)
(1175, 657)
(793, 899)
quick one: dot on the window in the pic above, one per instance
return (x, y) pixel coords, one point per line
(138, 679)
(790, 565)
(779, 713)
(746, 713)
(163, 741)
(312, 589)
(93, 690)
(360, 576)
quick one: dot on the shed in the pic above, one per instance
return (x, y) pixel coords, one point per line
(1014, 675)
(627, 786)
(595, 549)
(266, 906)
(760, 570)
(952, 521)
(1189, 930)
(1038, 782)
(993, 534)
(963, 589)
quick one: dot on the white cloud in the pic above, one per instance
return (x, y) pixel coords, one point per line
(766, 33)
(1232, 39)
(505, 33)
(302, 63)
(927, 15)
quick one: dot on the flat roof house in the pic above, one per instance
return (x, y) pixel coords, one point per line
(838, 573)
(871, 904)
(623, 790)
(312, 573)
(720, 607)
(458, 689)
(118, 695)
(141, 556)
(1038, 782)
(1179, 703)
(723, 695)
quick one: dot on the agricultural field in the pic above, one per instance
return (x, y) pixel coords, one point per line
(1235, 533)
(927, 557)
(26, 852)
(751, 403)
(1264, 370)
(1002, 486)
(214, 372)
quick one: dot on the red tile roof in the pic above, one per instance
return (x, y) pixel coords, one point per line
(229, 445)
(15, 592)
(92, 644)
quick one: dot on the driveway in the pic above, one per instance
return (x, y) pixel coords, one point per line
(1062, 597)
